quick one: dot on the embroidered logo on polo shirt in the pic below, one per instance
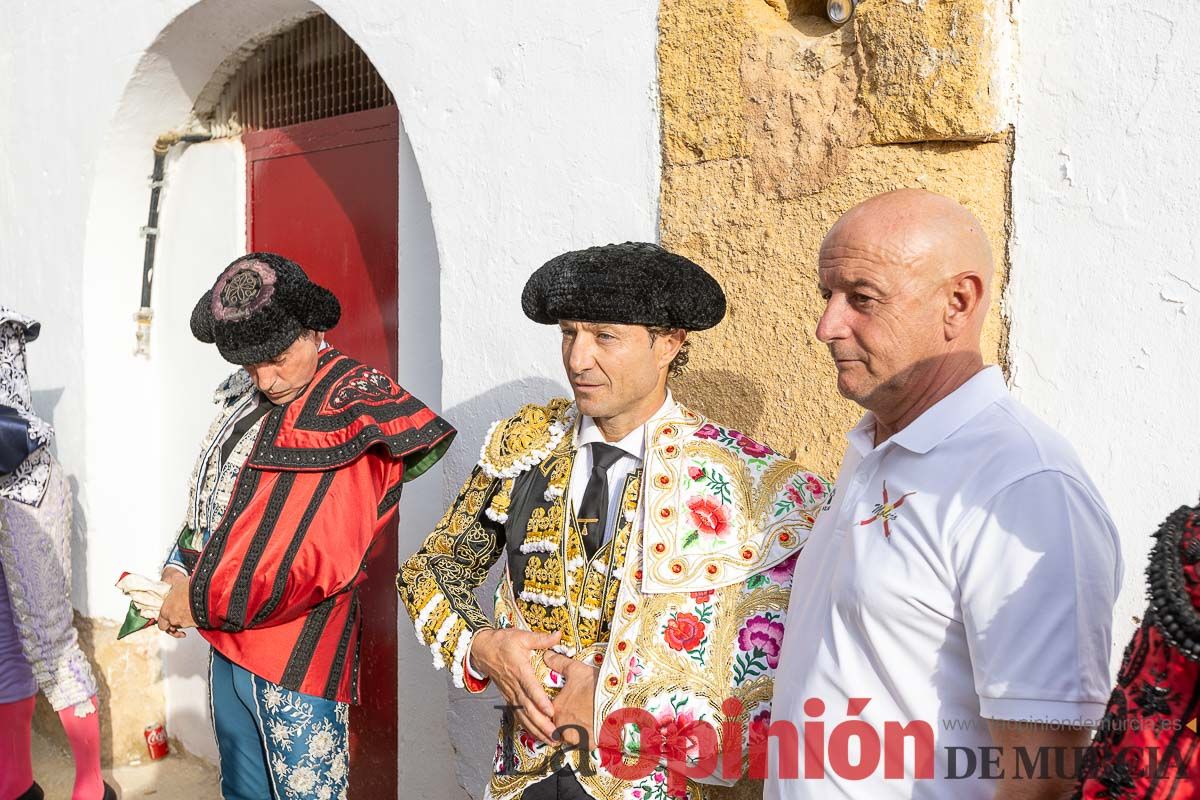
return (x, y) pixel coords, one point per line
(886, 511)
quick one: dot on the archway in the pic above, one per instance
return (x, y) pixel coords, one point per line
(164, 402)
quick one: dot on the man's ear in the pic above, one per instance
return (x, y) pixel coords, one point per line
(965, 292)
(674, 340)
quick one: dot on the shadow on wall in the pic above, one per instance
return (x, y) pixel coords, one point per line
(473, 719)
(723, 395)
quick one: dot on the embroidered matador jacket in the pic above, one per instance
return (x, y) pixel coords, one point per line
(681, 609)
(1147, 746)
(277, 535)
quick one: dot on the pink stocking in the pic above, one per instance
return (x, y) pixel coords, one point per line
(16, 756)
(84, 735)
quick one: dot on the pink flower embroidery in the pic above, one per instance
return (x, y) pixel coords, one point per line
(695, 473)
(702, 597)
(794, 495)
(782, 572)
(753, 448)
(814, 485)
(763, 634)
(709, 431)
(709, 516)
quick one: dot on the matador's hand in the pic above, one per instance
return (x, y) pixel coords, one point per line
(176, 611)
(575, 704)
(506, 656)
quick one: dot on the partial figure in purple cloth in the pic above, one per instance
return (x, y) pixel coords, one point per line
(39, 648)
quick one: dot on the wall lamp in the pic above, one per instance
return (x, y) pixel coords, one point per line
(840, 11)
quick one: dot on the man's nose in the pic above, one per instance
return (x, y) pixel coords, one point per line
(832, 324)
(579, 357)
(263, 377)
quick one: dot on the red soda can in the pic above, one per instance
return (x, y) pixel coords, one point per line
(156, 741)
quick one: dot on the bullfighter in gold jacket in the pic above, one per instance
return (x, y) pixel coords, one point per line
(649, 552)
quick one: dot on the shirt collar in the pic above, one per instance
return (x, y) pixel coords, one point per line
(942, 419)
(634, 442)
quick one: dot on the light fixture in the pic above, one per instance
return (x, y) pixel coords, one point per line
(840, 11)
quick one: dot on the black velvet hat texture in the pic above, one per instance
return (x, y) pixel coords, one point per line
(635, 283)
(259, 306)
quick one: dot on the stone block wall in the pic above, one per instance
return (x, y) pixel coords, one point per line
(774, 123)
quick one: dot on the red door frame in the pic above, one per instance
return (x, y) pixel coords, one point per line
(373, 724)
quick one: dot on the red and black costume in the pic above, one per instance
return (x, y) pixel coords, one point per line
(1147, 747)
(275, 588)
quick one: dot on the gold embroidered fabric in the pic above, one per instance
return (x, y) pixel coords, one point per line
(715, 516)
(437, 583)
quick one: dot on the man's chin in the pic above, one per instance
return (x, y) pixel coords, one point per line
(589, 405)
(850, 389)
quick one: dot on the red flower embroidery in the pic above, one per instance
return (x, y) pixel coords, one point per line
(709, 516)
(814, 485)
(680, 739)
(695, 473)
(684, 632)
(759, 726)
(702, 597)
(794, 495)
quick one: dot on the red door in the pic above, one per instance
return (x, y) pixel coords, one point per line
(324, 194)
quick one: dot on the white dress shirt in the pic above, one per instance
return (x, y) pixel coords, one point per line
(633, 446)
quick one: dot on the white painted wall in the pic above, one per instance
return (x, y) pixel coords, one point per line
(203, 225)
(533, 129)
(1105, 292)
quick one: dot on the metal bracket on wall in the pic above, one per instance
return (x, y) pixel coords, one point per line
(149, 231)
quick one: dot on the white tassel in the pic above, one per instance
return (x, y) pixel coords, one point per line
(542, 599)
(85, 709)
(557, 431)
(460, 657)
(426, 612)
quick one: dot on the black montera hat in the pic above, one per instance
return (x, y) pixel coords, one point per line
(259, 306)
(635, 283)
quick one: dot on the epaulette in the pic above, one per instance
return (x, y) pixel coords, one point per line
(1172, 606)
(235, 385)
(516, 444)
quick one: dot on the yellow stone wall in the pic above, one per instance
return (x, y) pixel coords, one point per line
(774, 123)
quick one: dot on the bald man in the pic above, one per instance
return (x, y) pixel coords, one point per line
(952, 635)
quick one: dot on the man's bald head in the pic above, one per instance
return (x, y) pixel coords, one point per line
(928, 232)
(907, 278)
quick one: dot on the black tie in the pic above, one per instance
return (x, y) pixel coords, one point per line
(243, 425)
(593, 510)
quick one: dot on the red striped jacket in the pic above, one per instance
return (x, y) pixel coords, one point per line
(275, 589)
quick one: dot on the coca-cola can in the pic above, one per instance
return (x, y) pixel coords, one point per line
(156, 741)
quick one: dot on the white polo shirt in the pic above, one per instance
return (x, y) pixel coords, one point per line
(966, 570)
